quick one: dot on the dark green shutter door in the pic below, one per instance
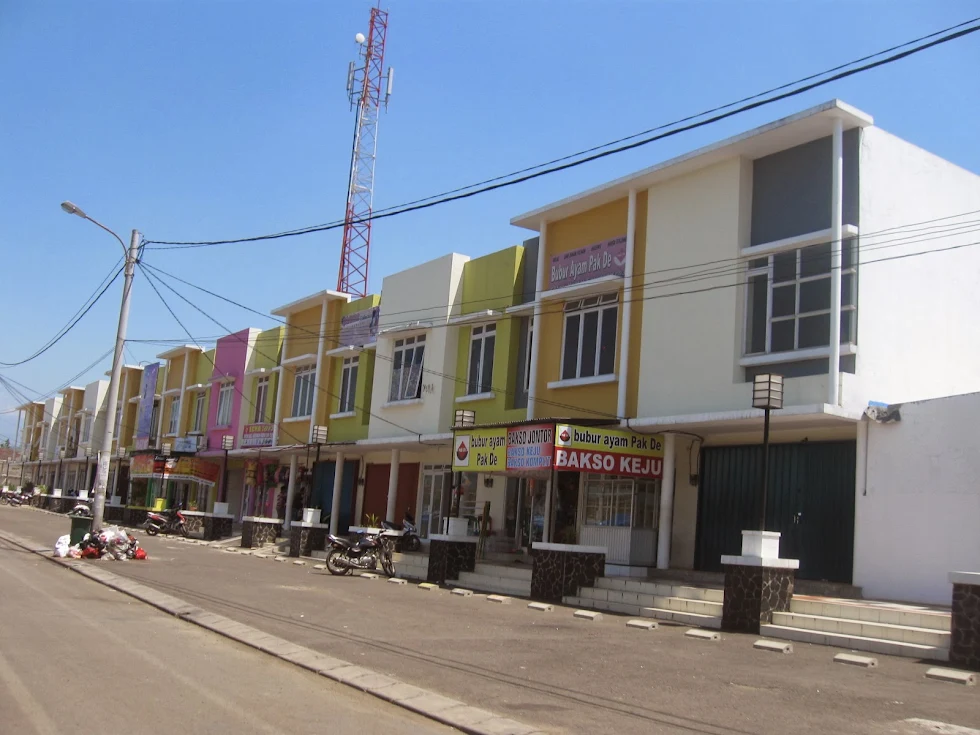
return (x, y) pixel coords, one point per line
(811, 502)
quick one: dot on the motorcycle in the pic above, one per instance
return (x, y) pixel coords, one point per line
(365, 553)
(16, 499)
(167, 521)
(408, 538)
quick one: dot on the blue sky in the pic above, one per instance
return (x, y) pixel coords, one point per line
(203, 119)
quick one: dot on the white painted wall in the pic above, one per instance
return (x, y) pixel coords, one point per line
(95, 400)
(920, 518)
(428, 293)
(917, 316)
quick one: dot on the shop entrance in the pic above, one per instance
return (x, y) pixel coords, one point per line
(565, 508)
(436, 487)
(531, 500)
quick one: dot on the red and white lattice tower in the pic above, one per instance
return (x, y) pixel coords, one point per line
(368, 87)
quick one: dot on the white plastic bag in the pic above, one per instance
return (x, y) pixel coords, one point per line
(61, 546)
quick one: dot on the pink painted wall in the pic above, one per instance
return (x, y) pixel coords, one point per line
(229, 360)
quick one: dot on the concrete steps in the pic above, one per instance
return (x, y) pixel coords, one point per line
(514, 581)
(855, 642)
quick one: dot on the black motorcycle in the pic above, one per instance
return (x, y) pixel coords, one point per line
(365, 553)
(408, 538)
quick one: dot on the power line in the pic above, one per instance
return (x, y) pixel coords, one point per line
(544, 169)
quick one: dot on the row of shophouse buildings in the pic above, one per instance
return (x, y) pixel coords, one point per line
(592, 385)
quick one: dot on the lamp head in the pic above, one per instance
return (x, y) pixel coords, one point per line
(72, 209)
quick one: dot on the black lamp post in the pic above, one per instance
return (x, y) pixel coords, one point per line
(165, 450)
(227, 442)
(462, 419)
(767, 394)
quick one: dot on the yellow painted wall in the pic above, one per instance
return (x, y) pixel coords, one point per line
(354, 427)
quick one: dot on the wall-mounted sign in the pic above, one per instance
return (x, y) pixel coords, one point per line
(480, 450)
(185, 444)
(360, 328)
(257, 435)
(609, 451)
(144, 419)
(530, 447)
(607, 258)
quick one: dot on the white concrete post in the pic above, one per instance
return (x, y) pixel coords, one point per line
(183, 390)
(664, 527)
(290, 491)
(549, 491)
(393, 486)
(318, 371)
(628, 298)
(536, 321)
(338, 482)
(836, 246)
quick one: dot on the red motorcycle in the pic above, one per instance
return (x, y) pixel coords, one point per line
(167, 521)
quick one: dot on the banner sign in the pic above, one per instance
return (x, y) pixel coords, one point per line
(480, 450)
(174, 468)
(360, 328)
(185, 444)
(610, 451)
(257, 435)
(607, 258)
(530, 447)
(144, 419)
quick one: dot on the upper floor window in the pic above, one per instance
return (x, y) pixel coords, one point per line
(589, 347)
(348, 384)
(225, 395)
(788, 303)
(200, 411)
(87, 427)
(261, 399)
(406, 370)
(154, 421)
(303, 386)
(172, 428)
(482, 342)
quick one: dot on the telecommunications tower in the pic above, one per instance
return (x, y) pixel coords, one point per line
(368, 87)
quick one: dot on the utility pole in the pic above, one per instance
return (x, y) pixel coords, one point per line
(105, 454)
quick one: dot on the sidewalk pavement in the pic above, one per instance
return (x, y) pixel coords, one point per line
(546, 669)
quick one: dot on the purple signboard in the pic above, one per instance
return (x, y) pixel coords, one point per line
(607, 258)
(360, 328)
(144, 419)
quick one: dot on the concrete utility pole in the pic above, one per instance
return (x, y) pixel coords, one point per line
(105, 453)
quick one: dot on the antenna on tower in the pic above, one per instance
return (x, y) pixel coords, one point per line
(365, 79)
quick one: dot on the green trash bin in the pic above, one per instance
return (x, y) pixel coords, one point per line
(80, 525)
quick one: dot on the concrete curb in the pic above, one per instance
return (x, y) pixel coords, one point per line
(451, 712)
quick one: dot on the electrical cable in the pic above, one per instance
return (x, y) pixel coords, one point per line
(476, 189)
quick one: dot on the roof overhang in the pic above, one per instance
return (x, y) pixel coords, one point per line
(802, 127)
(749, 420)
(178, 351)
(310, 301)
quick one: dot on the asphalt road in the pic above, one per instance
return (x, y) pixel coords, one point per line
(545, 669)
(78, 657)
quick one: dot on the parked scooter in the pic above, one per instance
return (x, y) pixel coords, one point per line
(365, 553)
(16, 499)
(408, 540)
(167, 521)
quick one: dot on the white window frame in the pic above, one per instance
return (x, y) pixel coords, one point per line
(768, 270)
(174, 423)
(406, 385)
(303, 387)
(580, 308)
(261, 398)
(200, 408)
(348, 384)
(226, 393)
(480, 335)
(621, 502)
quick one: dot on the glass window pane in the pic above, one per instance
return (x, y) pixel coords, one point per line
(848, 290)
(486, 379)
(815, 295)
(472, 385)
(590, 337)
(784, 300)
(847, 326)
(758, 296)
(815, 331)
(784, 266)
(352, 388)
(344, 383)
(783, 335)
(815, 260)
(848, 253)
(570, 354)
(759, 263)
(607, 345)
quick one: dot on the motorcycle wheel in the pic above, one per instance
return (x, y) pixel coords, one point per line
(387, 564)
(183, 530)
(414, 543)
(333, 567)
(151, 530)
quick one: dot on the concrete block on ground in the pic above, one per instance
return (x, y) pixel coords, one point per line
(231, 551)
(369, 575)
(868, 662)
(703, 635)
(499, 599)
(319, 566)
(460, 592)
(299, 563)
(282, 558)
(953, 676)
(261, 556)
(595, 617)
(397, 580)
(540, 606)
(642, 624)
(428, 586)
(773, 646)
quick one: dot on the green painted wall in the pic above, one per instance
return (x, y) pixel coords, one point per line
(354, 427)
(494, 281)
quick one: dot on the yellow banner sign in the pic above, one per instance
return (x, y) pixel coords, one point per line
(610, 451)
(480, 450)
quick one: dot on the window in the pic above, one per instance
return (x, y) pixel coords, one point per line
(590, 337)
(348, 384)
(621, 502)
(303, 385)
(788, 303)
(261, 399)
(86, 428)
(118, 422)
(174, 415)
(482, 342)
(225, 394)
(406, 371)
(200, 411)
(154, 422)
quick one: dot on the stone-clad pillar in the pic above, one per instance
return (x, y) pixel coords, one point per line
(757, 583)
(964, 642)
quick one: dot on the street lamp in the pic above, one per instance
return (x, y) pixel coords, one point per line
(227, 442)
(165, 451)
(129, 269)
(767, 394)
